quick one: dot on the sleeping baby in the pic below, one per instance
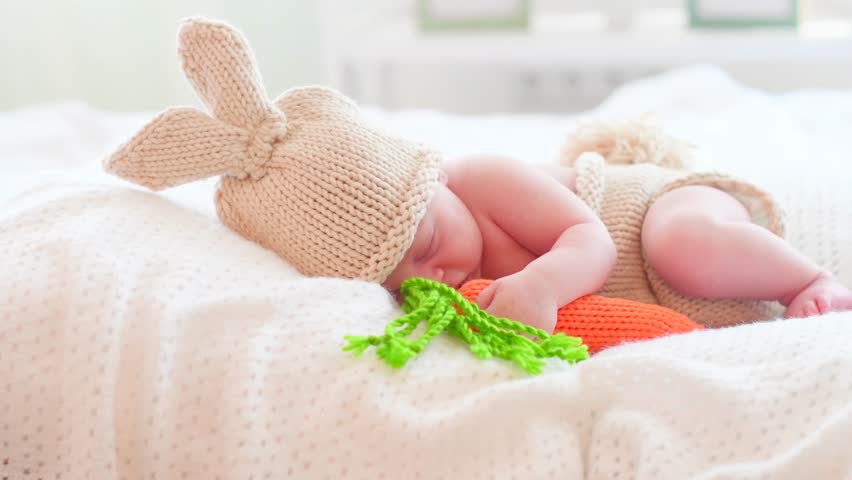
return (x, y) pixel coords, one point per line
(306, 177)
(707, 245)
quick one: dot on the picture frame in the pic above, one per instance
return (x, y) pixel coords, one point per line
(444, 15)
(743, 13)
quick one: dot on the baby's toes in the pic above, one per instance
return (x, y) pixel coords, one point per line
(801, 309)
(842, 303)
(838, 300)
(794, 310)
(810, 309)
(822, 303)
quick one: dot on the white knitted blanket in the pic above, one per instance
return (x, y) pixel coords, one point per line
(141, 339)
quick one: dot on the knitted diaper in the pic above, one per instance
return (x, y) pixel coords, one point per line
(304, 176)
(622, 194)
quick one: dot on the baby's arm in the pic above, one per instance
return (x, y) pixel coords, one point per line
(574, 251)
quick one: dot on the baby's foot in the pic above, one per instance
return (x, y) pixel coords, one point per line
(825, 294)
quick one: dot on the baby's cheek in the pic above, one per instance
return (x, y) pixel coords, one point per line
(426, 272)
(416, 270)
(395, 279)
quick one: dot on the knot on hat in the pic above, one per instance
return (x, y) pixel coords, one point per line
(261, 145)
(351, 197)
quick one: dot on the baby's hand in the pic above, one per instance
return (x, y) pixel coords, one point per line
(520, 297)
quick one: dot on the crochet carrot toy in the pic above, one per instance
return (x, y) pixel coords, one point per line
(604, 322)
(600, 322)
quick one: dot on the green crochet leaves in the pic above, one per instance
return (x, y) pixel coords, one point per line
(487, 336)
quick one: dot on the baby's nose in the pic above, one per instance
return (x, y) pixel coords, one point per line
(438, 275)
(432, 272)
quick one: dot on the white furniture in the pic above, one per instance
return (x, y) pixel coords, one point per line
(367, 54)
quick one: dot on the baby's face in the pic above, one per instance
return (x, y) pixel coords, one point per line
(447, 247)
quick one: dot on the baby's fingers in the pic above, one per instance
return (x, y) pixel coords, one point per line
(486, 296)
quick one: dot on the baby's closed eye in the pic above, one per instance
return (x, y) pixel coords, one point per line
(428, 246)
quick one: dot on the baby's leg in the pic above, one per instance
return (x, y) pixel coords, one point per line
(701, 241)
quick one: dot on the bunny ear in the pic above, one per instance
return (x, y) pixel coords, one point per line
(220, 65)
(180, 145)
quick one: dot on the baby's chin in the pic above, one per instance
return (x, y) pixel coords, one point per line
(474, 275)
(464, 278)
(455, 279)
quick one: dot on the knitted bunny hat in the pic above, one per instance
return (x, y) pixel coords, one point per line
(304, 176)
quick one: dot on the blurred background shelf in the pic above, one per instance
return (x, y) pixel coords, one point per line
(403, 42)
(121, 55)
(568, 60)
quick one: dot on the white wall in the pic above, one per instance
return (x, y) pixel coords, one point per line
(121, 54)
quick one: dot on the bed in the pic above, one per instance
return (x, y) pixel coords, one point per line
(139, 338)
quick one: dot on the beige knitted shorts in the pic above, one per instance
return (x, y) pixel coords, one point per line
(622, 194)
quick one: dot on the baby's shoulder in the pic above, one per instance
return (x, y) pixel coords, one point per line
(487, 167)
(482, 178)
(493, 171)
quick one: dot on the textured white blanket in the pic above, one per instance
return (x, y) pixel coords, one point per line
(141, 339)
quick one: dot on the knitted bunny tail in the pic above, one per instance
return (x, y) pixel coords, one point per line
(626, 142)
(178, 146)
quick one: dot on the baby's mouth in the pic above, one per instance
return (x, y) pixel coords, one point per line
(457, 280)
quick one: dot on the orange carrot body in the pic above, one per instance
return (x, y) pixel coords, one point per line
(604, 322)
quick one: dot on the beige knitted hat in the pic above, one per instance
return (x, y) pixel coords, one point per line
(304, 176)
